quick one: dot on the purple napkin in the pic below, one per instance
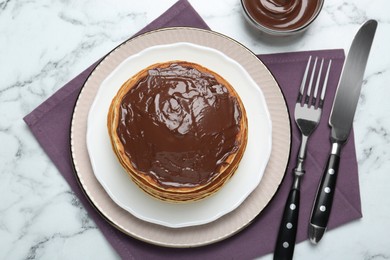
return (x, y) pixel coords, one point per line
(50, 123)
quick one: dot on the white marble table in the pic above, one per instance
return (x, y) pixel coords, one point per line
(45, 44)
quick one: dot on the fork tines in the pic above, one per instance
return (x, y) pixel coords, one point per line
(311, 100)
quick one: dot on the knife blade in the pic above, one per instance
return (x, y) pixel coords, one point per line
(340, 121)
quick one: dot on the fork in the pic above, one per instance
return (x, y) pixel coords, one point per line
(308, 110)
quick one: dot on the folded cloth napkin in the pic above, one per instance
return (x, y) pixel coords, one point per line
(50, 123)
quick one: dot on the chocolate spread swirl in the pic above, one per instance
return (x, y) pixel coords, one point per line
(178, 125)
(281, 14)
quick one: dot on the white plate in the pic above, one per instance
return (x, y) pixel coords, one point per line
(226, 225)
(126, 194)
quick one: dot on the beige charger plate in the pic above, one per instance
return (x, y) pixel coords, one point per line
(228, 224)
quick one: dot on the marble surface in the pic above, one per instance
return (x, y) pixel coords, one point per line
(44, 44)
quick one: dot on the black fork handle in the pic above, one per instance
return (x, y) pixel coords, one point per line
(285, 242)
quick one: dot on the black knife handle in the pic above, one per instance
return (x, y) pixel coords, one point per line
(288, 227)
(324, 200)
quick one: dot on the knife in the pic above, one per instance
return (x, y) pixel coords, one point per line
(340, 121)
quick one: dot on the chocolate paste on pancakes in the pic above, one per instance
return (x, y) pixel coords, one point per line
(178, 125)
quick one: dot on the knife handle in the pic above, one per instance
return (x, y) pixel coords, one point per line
(288, 227)
(324, 199)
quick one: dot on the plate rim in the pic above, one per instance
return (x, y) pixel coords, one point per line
(143, 237)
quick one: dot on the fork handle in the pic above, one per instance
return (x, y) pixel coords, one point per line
(285, 242)
(324, 199)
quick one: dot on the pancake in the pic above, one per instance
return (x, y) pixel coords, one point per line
(178, 129)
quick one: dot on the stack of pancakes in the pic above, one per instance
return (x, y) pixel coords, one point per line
(178, 129)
